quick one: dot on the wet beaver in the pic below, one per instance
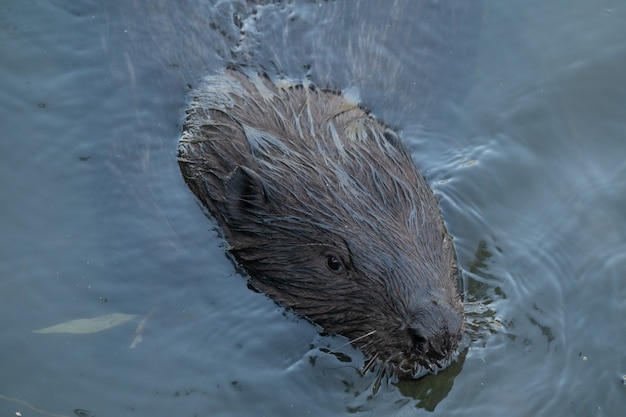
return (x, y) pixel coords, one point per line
(325, 209)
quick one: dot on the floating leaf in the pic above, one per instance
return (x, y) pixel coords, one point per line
(139, 332)
(85, 326)
(136, 340)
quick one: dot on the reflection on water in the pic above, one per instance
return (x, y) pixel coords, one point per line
(514, 113)
(432, 389)
(482, 289)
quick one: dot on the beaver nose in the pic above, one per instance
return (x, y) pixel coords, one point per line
(435, 330)
(435, 347)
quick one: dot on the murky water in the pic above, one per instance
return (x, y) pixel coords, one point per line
(515, 112)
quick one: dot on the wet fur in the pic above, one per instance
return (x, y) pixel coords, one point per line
(302, 181)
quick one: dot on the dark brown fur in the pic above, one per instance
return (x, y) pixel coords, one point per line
(325, 209)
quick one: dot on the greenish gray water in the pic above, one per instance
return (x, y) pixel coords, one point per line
(516, 114)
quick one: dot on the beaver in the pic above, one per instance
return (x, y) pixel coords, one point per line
(325, 209)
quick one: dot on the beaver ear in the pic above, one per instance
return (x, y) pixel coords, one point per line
(244, 194)
(393, 138)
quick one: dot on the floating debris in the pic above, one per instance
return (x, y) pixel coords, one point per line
(86, 326)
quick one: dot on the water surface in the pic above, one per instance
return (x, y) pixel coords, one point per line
(514, 112)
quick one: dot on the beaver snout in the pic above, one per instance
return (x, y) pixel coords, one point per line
(436, 331)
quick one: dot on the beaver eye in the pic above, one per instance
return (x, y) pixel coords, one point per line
(334, 264)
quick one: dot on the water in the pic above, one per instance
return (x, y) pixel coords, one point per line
(514, 112)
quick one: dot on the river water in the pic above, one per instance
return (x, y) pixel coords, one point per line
(514, 111)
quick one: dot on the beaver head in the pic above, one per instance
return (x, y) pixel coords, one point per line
(325, 209)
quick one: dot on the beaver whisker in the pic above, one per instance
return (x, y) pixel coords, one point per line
(349, 342)
(368, 344)
(370, 363)
(368, 334)
(304, 245)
